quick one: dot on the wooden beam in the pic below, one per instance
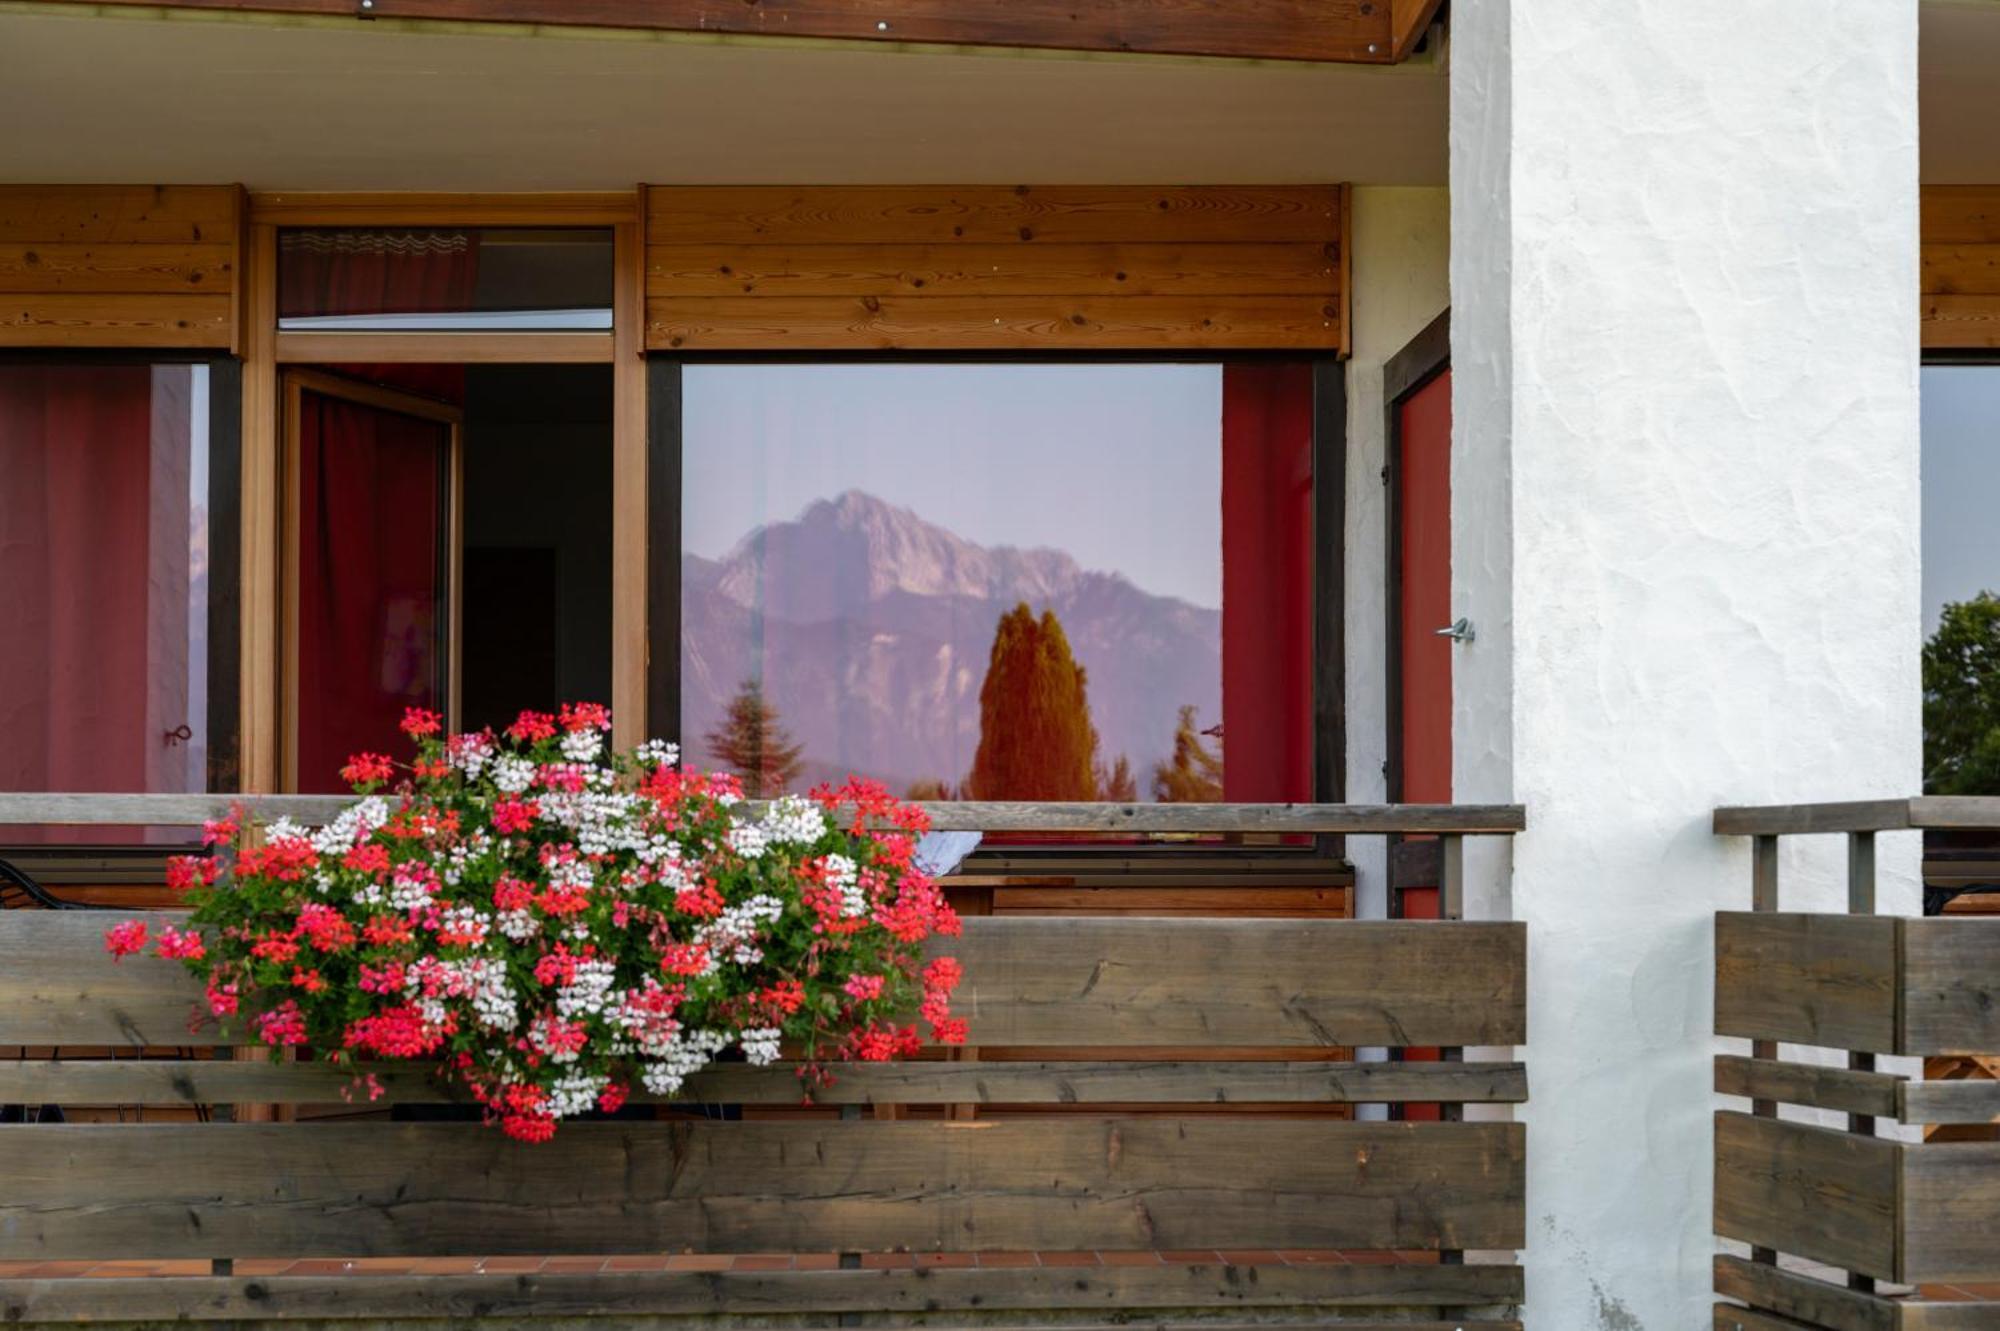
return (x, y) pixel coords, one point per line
(498, 1300)
(1338, 31)
(1057, 982)
(1069, 1183)
(74, 1081)
(1827, 980)
(1816, 1303)
(1847, 1090)
(356, 348)
(1409, 20)
(968, 815)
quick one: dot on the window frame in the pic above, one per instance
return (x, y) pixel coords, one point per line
(664, 491)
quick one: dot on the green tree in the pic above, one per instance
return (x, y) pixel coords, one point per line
(752, 744)
(1035, 736)
(1194, 774)
(1962, 700)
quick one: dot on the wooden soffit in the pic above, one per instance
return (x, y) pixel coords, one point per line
(1341, 31)
(1961, 267)
(994, 267)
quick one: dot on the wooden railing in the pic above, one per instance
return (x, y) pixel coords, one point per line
(1161, 1183)
(1882, 1210)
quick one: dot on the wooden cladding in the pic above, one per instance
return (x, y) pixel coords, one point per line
(1961, 266)
(112, 266)
(995, 268)
(1051, 982)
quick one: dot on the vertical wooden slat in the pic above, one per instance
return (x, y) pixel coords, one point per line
(1451, 878)
(629, 507)
(261, 487)
(1764, 897)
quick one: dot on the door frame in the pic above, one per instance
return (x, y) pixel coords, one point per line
(1409, 371)
(294, 383)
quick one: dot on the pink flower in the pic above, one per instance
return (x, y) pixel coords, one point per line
(282, 1025)
(222, 999)
(122, 940)
(864, 988)
(178, 946)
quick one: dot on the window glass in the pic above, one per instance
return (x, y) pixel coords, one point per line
(105, 579)
(439, 278)
(1961, 579)
(1055, 582)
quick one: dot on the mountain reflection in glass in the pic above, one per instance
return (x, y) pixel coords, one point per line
(1049, 582)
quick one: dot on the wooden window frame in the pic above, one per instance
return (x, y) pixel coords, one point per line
(1328, 414)
(269, 671)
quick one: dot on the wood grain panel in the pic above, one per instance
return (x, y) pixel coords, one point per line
(752, 323)
(936, 268)
(118, 266)
(1851, 1092)
(276, 1190)
(1058, 982)
(1808, 979)
(1104, 269)
(1817, 1303)
(496, 1298)
(1950, 1212)
(76, 1080)
(64, 320)
(1961, 266)
(122, 269)
(1951, 986)
(940, 214)
(1809, 1191)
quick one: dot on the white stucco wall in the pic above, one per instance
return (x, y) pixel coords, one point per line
(1399, 240)
(1684, 280)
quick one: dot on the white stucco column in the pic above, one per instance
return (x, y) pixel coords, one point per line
(1684, 283)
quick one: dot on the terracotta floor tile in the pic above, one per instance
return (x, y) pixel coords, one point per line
(1313, 1256)
(261, 1266)
(644, 1261)
(697, 1261)
(1009, 1259)
(946, 1259)
(762, 1262)
(573, 1265)
(816, 1261)
(887, 1261)
(47, 1270)
(1068, 1258)
(1250, 1257)
(123, 1270)
(1130, 1258)
(511, 1265)
(1204, 1255)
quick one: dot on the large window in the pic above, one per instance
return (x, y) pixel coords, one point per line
(1961, 579)
(1000, 581)
(117, 576)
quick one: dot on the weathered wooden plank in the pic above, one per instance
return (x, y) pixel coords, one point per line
(995, 1292)
(951, 815)
(1789, 819)
(1029, 981)
(1810, 1191)
(1103, 269)
(1843, 1089)
(1968, 1101)
(1729, 1317)
(1801, 1297)
(117, 268)
(991, 214)
(1956, 812)
(117, 214)
(220, 1081)
(948, 323)
(1951, 986)
(61, 319)
(1808, 979)
(1950, 1212)
(274, 1190)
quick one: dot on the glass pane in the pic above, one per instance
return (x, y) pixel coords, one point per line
(104, 580)
(465, 278)
(1000, 581)
(1961, 579)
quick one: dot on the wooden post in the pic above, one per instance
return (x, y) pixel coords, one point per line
(1764, 897)
(1451, 877)
(1861, 901)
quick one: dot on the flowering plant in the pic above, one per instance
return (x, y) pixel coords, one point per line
(548, 922)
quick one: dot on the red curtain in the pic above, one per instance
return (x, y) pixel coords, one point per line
(97, 566)
(326, 272)
(370, 604)
(1267, 591)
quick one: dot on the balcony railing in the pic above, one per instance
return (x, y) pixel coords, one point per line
(1169, 1184)
(1884, 1211)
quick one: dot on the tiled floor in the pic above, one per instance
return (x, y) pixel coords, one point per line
(823, 1261)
